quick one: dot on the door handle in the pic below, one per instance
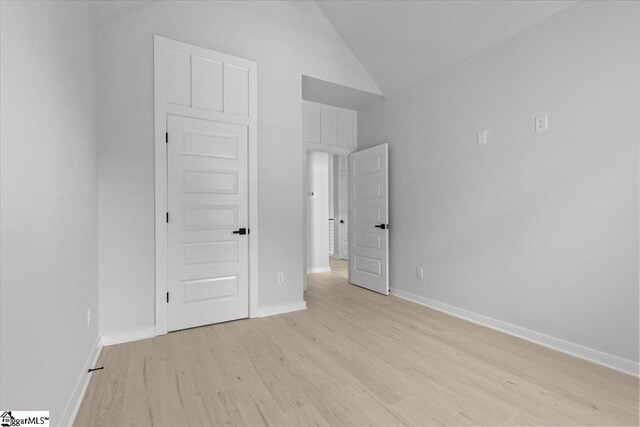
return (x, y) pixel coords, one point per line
(341, 221)
(241, 231)
(382, 226)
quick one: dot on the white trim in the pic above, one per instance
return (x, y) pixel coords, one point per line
(80, 388)
(161, 111)
(328, 107)
(598, 357)
(329, 149)
(319, 270)
(127, 336)
(282, 309)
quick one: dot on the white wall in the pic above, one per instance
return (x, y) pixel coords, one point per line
(317, 212)
(286, 39)
(539, 230)
(372, 124)
(49, 242)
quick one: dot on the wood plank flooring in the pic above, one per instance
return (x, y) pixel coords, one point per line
(352, 358)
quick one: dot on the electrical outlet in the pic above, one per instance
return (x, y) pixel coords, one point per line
(541, 123)
(281, 277)
(88, 316)
(419, 272)
(482, 136)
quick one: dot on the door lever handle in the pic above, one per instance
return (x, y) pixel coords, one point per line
(241, 231)
(382, 226)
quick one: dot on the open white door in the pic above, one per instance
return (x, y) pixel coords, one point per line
(368, 219)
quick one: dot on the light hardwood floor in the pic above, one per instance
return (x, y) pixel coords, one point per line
(352, 358)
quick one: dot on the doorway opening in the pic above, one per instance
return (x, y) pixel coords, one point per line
(327, 212)
(206, 200)
(329, 135)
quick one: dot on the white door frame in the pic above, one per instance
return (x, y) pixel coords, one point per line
(330, 149)
(341, 232)
(161, 111)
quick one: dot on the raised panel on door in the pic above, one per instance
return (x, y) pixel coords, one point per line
(368, 226)
(207, 201)
(328, 127)
(236, 90)
(310, 124)
(207, 75)
(345, 130)
(178, 75)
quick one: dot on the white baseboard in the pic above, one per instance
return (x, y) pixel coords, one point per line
(586, 353)
(127, 336)
(281, 309)
(80, 388)
(319, 270)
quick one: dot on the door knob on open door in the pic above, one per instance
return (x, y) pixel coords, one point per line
(383, 226)
(240, 231)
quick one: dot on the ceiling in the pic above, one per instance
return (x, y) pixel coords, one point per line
(403, 42)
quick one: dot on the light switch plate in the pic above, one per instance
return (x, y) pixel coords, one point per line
(482, 136)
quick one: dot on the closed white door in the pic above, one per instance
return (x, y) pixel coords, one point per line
(208, 236)
(368, 215)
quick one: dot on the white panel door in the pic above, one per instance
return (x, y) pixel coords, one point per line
(368, 219)
(208, 207)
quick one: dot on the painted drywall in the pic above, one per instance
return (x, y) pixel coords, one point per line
(539, 230)
(372, 124)
(49, 225)
(317, 212)
(287, 40)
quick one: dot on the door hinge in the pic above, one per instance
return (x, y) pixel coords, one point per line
(166, 137)
(167, 296)
(167, 217)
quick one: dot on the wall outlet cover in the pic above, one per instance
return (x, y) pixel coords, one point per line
(541, 123)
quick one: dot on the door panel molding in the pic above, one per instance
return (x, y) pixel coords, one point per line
(199, 90)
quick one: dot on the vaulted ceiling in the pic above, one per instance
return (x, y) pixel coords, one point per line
(403, 42)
